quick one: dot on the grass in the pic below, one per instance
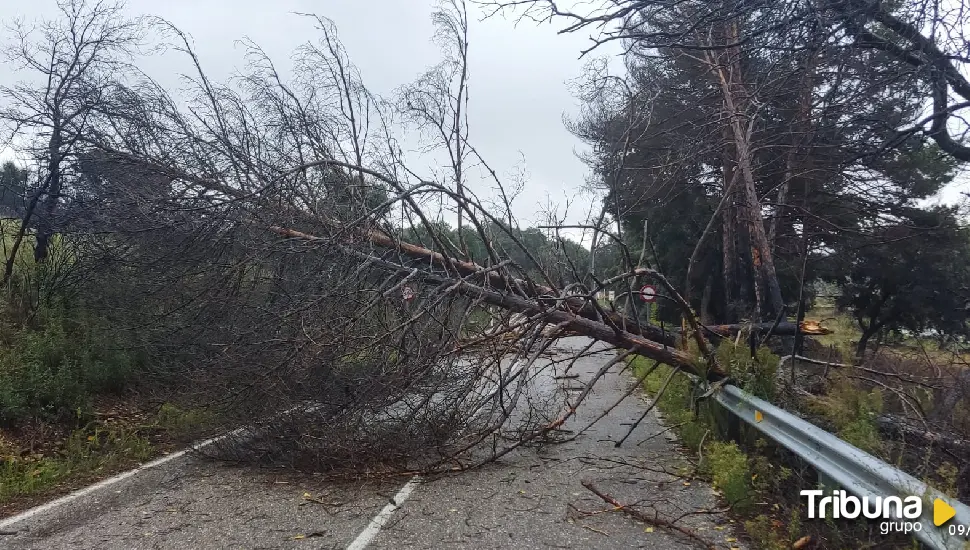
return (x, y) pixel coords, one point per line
(182, 424)
(87, 452)
(95, 450)
(753, 476)
(730, 473)
(853, 411)
(846, 332)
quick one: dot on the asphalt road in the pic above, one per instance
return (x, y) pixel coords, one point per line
(532, 498)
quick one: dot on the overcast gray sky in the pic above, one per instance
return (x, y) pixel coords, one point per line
(519, 73)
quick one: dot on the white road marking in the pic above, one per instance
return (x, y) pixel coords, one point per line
(112, 480)
(125, 475)
(380, 520)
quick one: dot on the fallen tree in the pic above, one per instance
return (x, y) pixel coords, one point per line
(252, 239)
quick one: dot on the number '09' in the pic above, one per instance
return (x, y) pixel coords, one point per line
(959, 530)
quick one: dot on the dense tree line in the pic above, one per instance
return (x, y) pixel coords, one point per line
(533, 252)
(768, 146)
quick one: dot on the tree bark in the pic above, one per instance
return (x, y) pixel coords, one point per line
(564, 318)
(45, 223)
(729, 252)
(727, 68)
(867, 334)
(705, 312)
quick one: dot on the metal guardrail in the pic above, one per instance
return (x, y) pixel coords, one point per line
(850, 468)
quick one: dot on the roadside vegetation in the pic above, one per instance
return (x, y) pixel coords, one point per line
(261, 251)
(758, 480)
(74, 402)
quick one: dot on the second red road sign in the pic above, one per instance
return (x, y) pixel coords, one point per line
(648, 293)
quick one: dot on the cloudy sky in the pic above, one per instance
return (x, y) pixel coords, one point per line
(519, 89)
(520, 75)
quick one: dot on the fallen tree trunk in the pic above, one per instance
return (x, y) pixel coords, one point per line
(811, 328)
(583, 306)
(579, 305)
(897, 426)
(556, 312)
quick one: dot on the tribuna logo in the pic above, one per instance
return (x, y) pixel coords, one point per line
(842, 505)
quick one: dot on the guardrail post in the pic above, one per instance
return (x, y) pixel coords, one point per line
(826, 482)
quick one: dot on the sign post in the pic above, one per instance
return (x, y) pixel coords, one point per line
(648, 293)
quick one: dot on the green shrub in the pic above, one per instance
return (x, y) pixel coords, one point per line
(949, 477)
(853, 412)
(728, 468)
(754, 375)
(54, 369)
(770, 534)
(183, 423)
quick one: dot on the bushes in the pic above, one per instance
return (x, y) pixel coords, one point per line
(728, 469)
(742, 478)
(773, 534)
(53, 369)
(754, 375)
(853, 412)
(181, 423)
(756, 478)
(54, 355)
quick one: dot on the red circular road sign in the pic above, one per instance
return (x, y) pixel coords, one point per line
(648, 293)
(408, 293)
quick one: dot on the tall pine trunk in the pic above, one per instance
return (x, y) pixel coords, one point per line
(726, 65)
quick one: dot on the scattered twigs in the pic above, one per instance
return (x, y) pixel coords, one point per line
(634, 387)
(646, 411)
(830, 364)
(702, 343)
(652, 520)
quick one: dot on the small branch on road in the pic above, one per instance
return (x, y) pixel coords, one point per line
(636, 514)
(595, 530)
(634, 387)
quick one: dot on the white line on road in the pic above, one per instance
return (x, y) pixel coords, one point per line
(125, 475)
(380, 520)
(111, 481)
